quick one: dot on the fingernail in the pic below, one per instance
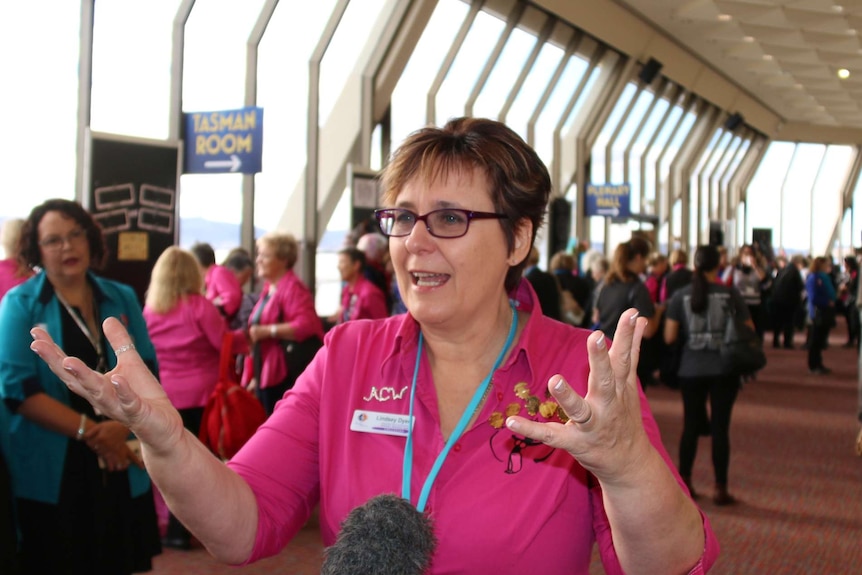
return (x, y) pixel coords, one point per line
(512, 424)
(71, 370)
(633, 319)
(600, 343)
(115, 382)
(559, 385)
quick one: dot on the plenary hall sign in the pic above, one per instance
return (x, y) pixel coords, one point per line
(608, 200)
(224, 142)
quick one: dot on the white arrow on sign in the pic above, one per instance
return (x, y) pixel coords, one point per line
(233, 164)
(613, 212)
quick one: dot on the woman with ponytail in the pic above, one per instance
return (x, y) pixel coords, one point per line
(622, 289)
(696, 316)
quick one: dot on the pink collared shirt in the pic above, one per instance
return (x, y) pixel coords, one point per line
(11, 275)
(188, 342)
(222, 283)
(362, 300)
(290, 303)
(500, 504)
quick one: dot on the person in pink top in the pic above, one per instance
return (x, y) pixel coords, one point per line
(360, 298)
(284, 315)
(187, 331)
(527, 442)
(220, 284)
(12, 270)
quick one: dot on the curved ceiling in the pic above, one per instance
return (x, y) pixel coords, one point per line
(785, 53)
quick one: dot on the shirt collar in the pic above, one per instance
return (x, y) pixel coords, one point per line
(47, 291)
(524, 296)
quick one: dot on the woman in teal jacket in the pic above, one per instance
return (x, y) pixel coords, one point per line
(84, 502)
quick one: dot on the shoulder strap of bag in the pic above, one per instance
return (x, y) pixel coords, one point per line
(227, 372)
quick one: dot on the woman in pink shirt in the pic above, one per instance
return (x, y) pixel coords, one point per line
(284, 314)
(12, 271)
(187, 330)
(528, 442)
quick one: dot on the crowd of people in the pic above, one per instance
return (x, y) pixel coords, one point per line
(473, 361)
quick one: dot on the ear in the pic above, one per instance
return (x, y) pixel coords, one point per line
(522, 245)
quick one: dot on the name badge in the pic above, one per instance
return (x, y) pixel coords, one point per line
(383, 423)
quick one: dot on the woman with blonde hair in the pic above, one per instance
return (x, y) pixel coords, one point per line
(284, 314)
(187, 331)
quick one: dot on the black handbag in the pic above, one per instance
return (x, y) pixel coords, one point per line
(297, 356)
(741, 348)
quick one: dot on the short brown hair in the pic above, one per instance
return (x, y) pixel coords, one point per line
(29, 253)
(520, 183)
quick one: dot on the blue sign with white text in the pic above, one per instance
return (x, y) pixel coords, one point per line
(609, 200)
(230, 141)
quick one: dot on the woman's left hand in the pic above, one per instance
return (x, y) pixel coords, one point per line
(605, 431)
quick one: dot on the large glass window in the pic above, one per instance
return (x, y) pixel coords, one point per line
(826, 208)
(282, 92)
(409, 97)
(131, 86)
(534, 86)
(40, 97)
(551, 115)
(639, 172)
(214, 69)
(468, 64)
(495, 91)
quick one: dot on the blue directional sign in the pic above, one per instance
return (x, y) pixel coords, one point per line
(224, 142)
(609, 200)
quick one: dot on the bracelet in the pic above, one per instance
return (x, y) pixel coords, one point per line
(82, 427)
(272, 330)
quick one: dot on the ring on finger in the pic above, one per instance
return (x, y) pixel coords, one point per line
(124, 348)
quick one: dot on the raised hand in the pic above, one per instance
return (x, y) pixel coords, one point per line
(605, 431)
(128, 394)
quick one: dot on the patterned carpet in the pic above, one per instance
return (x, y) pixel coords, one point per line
(793, 468)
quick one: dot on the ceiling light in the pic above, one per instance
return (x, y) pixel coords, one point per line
(798, 86)
(843, 73)
(838, 8)
(850, 31)
(725, 17)
(767, 57)
(748, 39)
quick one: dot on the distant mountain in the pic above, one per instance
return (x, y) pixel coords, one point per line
(223, 237)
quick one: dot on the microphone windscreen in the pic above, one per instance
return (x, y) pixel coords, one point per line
(385, 536)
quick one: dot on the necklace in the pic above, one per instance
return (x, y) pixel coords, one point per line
(478, 397)
(95, 338)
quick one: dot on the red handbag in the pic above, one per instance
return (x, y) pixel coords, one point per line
(232, 413)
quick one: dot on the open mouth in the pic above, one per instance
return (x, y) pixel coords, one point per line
(425, 279)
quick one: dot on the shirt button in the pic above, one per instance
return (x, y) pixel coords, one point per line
(456, 448)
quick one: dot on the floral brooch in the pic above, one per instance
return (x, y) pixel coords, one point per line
(549, 409)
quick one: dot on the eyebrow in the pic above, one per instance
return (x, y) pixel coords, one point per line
(438, 205)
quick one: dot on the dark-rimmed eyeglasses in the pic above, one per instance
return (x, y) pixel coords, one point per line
(56, 243)
(443, 223)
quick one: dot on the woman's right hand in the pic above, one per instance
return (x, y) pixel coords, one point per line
(128, 394)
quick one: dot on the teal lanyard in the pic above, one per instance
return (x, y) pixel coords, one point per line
(456, 433)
